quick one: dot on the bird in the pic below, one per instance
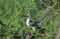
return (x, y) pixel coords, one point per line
(35, 24)
(32, 24)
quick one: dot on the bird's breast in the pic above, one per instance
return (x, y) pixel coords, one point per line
(27, 22)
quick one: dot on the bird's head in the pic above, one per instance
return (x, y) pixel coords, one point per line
(25, 15)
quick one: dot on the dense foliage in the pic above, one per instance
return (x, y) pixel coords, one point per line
(12, 25)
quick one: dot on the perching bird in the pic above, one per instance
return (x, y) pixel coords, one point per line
(30, 23)
(33, 24)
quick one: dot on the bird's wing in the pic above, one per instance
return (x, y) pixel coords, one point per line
(46, 13)
(32, 24)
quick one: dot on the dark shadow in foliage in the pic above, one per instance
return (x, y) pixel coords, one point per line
(20, 22)
(24, 34)
(42, 31)
(38, 27)
(16, 35)
(2, 32)
(1, 23)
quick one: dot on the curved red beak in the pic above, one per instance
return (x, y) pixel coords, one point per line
(24, 15)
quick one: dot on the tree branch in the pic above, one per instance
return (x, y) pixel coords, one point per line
(46, 13)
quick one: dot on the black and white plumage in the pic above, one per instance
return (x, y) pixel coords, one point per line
(30, 23)
(35, 24)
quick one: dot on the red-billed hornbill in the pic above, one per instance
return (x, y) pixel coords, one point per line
(31, 23)
(34, 24)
